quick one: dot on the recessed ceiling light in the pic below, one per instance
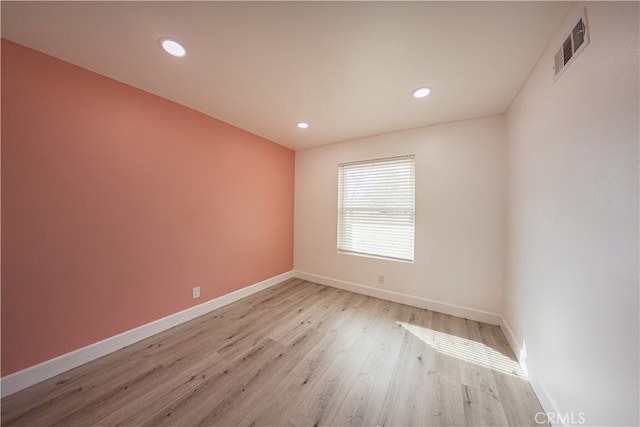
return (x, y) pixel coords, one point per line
(172, 47)
(303, 125)
(421, 92)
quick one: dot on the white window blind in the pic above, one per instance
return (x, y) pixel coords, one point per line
(376, 207)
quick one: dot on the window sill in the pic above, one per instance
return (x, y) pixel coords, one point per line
(383, 258)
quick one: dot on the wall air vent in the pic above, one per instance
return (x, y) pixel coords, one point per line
(575, 42)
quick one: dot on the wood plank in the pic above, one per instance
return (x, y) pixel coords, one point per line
(274, 407)
(364, 401)
(482, 409)
(322, 402)
(212, 395)
(412, 396)
(169, 391)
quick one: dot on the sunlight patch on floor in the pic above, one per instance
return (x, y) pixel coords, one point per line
(467, 350)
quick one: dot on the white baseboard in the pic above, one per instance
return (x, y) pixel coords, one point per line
(529, 368)
(441, 307)
(513, 343)
(50, 368)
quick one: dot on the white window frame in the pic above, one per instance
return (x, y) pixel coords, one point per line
(376, 208)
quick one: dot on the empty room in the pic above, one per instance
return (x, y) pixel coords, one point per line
(320, 213)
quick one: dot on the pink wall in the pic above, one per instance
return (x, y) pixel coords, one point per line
(116, 202)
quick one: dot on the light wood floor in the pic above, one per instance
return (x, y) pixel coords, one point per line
(298, 353)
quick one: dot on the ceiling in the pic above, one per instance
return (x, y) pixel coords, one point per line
(346, 68)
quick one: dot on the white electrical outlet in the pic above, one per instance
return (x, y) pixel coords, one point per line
(196, 292)
(380, 279)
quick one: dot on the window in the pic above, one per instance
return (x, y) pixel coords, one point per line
(376, 207)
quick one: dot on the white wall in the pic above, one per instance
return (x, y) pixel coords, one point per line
(460, 218)
(571, 294)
